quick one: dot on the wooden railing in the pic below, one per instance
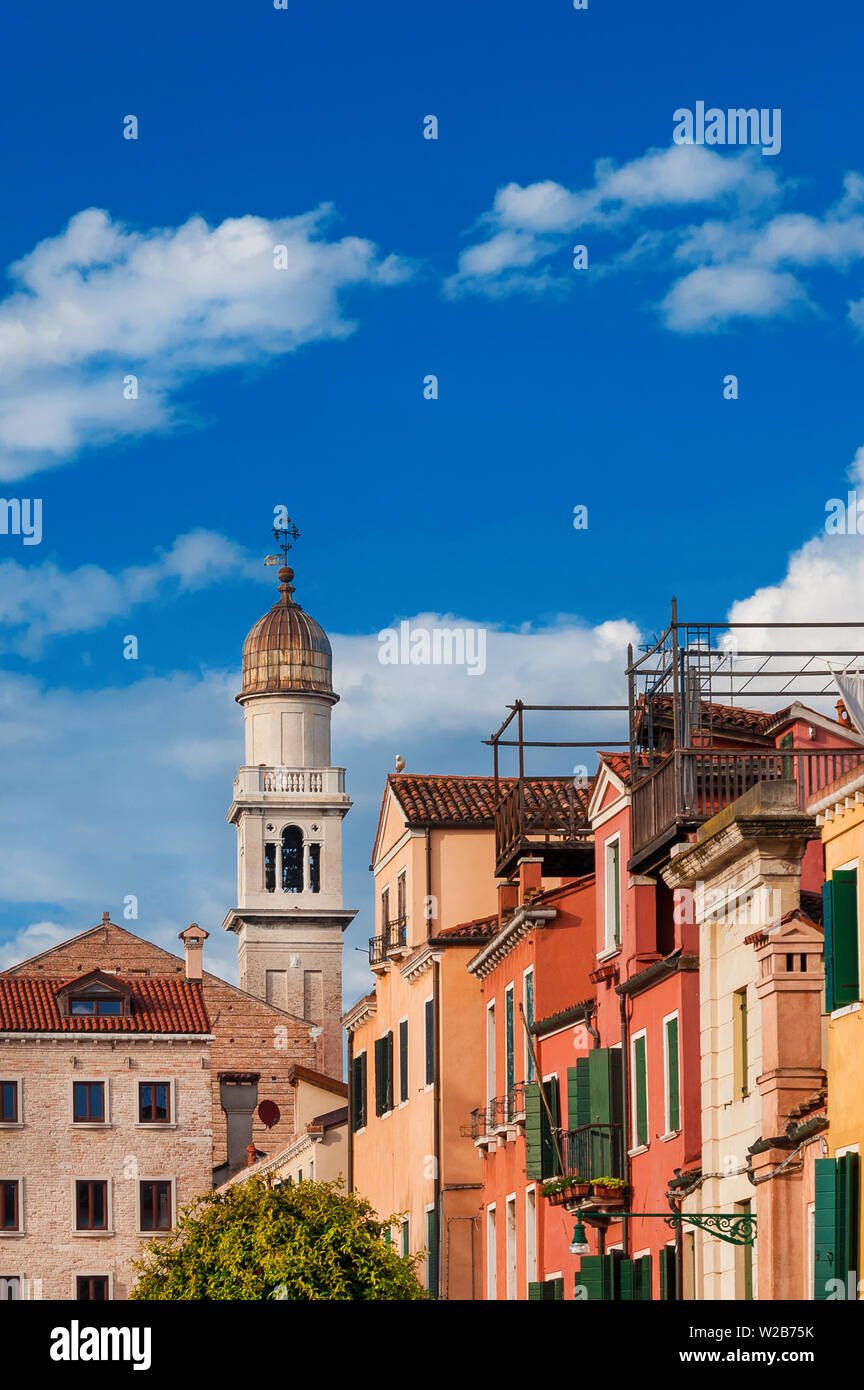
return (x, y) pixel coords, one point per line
(523, 813)
(694, 784)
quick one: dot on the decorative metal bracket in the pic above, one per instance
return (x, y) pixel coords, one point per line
(734, 1229)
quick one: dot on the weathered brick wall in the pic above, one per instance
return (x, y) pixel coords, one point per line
(250, 1035)
(49, 1151)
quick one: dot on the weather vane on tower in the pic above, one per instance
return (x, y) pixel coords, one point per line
(282, 532)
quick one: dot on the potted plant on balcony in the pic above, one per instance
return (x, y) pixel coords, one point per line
(558, 1191)
(610, 1191)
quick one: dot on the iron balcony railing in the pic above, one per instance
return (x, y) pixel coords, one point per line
(378, 946)
(593, 1151)
(500, 1111)
(397, 933)
(479, 1126)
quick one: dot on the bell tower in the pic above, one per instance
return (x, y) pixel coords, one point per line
(288, 807)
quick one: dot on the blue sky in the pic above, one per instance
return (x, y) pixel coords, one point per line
(556, 386)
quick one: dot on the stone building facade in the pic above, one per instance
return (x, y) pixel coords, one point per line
(106, 1126)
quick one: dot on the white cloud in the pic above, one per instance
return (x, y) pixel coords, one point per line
(30, 941)
(528, 223)
(100, 301)
(41, 601)
(747, 257)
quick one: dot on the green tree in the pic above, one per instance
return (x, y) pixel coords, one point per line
(307, 1240)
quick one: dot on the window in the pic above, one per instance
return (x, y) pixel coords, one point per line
(672, 1074)
(510, 1236)
(530, 1235)
(490, 1053)
(9, 1107)
(405, 1236)
(431, 1253)
(155, 1205)
(92, 1288)
(95, 1006)
(840, 914)
(837, 1193)
(528, 993)
(358, 1092)
(510, 1043)
(91, 1205)
(613, 893)
(10, 1204)
(154, 1102)
(429, 1013)
(270, 868)
(292, 859)
(639, 1086)
(88, 1102)
(740, 1062)
(385, 910)
(315, 868)
(384, 1074)
(10, 1288)
(491, 1256)
(403, 1060)
(401, 908)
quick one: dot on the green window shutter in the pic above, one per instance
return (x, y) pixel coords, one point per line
(844, 883)
(579, 1094)
(667, 1272)
(603, 1109)
(825, 1264)
(535, 1292)
(358, 1092)
(626, 1277)
(673, 1118)
(847, 1214)
(403, 1060)
(529, 1018)
(828, 929)
(640, 1092)
(557, 1287)
(430, 1041)
(642, 1278)
(431, 1255)
(595, 1273)
(533, 1131)
(511, 1056)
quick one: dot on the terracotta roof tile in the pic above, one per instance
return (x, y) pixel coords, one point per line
(732, 717)
(440, 799)
(159, 1005)
(482, 927)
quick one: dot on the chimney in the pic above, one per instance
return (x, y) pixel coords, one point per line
(193, 939)
(843, 714)
(530, 877)
(508, 901)
(251, 1155)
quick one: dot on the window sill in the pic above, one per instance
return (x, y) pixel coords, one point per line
(608, 952)
(846, 1009)
(90, 1124)
(11, 1124)
(672, 1134)
(640, 1149)
(13, 1235)
(155, 1235)
(93, 1235)
(402, 1104)
(155, 1124)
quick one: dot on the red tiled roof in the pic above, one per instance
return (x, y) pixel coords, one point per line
(480, 927)
(158, 1005)
(732, 717)
(619, 763)
(439, 799)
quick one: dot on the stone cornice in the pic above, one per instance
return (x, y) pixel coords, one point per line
(524, 920)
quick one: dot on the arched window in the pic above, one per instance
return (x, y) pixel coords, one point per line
(315, 868)
(270, 868)
(292, 859)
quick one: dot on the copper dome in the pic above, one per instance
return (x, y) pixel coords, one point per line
(287, 651)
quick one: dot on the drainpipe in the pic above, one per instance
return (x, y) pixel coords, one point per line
(350, 1113)
(625, 1115)
(589, 1028)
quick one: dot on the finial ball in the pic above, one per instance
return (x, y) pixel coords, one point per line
(286, 574)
